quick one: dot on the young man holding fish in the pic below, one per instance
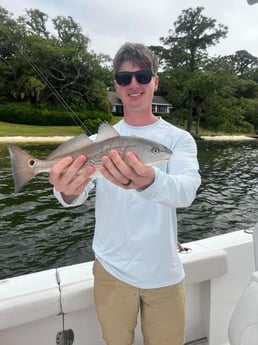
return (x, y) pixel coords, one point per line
(137, 266)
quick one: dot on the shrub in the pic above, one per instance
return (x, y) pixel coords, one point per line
(41, 115)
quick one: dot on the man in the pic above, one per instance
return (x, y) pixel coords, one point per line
(137, 266)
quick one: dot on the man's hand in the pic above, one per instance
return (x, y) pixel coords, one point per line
(69, 178)
(128, 173)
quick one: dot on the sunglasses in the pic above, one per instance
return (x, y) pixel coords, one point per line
(143, 77)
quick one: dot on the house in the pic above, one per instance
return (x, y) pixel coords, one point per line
(159, 104)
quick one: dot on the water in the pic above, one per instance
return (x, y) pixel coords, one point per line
(228, 197)
(36, 233)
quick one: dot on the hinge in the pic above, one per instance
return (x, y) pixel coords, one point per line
(65, 337)
(201, 341)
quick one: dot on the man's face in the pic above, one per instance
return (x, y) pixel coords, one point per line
(135, 95)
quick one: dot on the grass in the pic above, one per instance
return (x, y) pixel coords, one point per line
(11, 129)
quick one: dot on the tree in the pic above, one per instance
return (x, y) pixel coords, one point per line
(243, 87)
(243, 62)
(36, 67)
(187, 46)
(226, 110)
(70, 33)
(35, 22)
(28, 88)
(11, 36)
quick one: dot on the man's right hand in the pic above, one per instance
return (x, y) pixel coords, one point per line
(69, 178)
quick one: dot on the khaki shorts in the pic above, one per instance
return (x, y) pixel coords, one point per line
(117, 305)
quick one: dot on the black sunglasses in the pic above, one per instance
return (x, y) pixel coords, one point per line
(143, 77)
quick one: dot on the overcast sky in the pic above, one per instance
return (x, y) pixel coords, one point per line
(110, 23)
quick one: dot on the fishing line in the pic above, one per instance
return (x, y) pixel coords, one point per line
(59, 97)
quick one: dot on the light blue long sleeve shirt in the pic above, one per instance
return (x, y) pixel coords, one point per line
(135, 235)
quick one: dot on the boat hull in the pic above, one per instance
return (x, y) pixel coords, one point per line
(34, 307)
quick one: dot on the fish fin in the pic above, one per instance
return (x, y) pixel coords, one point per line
(22, 166)
(74, 144)
(106, 131)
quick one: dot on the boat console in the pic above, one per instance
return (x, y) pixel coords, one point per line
(243, 327)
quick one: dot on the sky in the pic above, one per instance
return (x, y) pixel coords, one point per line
(110, 23)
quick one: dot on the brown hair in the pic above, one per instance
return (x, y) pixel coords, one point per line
(138, 54)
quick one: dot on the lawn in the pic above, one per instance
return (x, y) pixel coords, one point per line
(11, 129)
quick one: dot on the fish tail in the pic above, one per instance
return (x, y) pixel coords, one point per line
(23, 166)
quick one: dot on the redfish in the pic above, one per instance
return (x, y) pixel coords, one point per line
(25, 166)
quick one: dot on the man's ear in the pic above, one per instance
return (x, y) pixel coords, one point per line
(116, 87)
(156, 83)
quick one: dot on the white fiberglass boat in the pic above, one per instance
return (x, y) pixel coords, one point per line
(56, 306)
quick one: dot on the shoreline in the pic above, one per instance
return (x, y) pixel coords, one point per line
(60, 139)
(228, 137)
(32, 139)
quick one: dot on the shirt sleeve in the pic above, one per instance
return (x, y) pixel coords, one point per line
(77, 201)
(177, 186)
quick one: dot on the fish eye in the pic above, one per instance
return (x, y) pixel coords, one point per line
(31, 163)
(155, 150)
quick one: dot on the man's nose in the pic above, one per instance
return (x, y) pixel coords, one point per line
(134, 81)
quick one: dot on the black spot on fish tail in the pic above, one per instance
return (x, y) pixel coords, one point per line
(22, 166)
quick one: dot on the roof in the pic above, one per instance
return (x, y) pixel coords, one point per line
(113, 99)
(160, 100)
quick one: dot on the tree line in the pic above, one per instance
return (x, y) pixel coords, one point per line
(41, 70)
